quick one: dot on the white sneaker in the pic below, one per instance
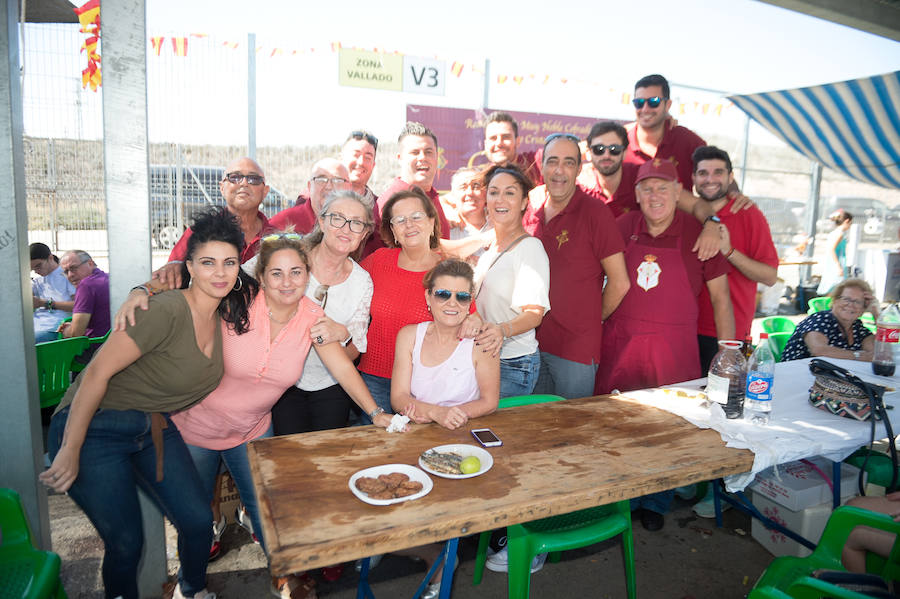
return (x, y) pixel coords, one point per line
(243, 519)
(706, 508)
(204, 594)
(499, 562)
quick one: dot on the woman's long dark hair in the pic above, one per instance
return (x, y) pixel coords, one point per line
(221, 225)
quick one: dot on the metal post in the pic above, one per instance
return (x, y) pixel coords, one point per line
(251, 95)
(487, 83)
(812, 215)
(126, 159)
(744, 150)
(21, 442)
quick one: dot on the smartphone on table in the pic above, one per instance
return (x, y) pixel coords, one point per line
(486, 437)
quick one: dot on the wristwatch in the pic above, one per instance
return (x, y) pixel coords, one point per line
(347, 341)
(713, 218)
(375, 412)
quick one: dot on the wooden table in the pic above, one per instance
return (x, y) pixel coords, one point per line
(556, 458)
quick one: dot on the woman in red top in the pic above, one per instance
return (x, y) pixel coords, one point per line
(411, 230)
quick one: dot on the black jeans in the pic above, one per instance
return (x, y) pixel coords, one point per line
(300, 411)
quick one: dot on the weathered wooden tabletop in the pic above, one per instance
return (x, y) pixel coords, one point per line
(556, 458)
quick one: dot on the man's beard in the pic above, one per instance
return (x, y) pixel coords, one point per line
(610, 170)
(722, 193)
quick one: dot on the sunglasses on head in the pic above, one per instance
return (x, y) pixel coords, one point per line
(463, 297)
(652, 102)
(236, 178)
(614, 149)
(276, 236)
(366, 136)
(568, 136)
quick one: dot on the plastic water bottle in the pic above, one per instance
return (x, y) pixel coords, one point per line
(760, 376)
(727, 377)
(887, 342)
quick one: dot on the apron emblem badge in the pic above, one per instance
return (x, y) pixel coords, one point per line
(648, 273)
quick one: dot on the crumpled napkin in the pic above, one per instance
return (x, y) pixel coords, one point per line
(398, 423)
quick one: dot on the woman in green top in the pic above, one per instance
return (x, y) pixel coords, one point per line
(112, 432)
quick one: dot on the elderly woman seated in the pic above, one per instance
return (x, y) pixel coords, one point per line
(437, 376)
(838, 332)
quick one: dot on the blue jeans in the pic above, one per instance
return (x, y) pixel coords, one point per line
(655, 502)
(207, 463)
(519, 375)
(380, 388)
(44, 335)
(565, 377)
(118, 456)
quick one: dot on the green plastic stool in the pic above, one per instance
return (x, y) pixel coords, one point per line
(818, 304)
(558, 533)
(777, 324)
(25, 571)
(54, 362)
(789, 576)
(879, 468)
(777, 342)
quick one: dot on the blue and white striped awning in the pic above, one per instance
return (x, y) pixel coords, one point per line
(851, 126)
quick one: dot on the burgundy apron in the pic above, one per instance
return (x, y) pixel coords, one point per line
(651, 338)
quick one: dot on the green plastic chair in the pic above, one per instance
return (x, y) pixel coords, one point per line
(54, 361)
(777, 341)
(25, 571)
(789, 576)
(818, 304)
(778, 324)
(558, 533)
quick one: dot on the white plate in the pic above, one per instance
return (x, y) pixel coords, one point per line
(465, 451)
(411, 471)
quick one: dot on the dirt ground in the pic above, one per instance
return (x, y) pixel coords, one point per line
(688, 558)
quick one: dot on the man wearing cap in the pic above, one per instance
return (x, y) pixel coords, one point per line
(584, 247)
(327, 175)
(746, 243)
(501, 145)
(650, 340)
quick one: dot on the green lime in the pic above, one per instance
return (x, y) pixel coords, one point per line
(470, 465)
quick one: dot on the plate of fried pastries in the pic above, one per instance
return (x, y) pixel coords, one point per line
(389, 484)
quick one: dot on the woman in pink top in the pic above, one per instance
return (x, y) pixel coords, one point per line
(259, 365)
(439, 378)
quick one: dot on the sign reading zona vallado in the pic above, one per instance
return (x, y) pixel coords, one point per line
(361, 68)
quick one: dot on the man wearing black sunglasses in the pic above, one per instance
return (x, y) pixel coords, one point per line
(613, 179)
(244, 187)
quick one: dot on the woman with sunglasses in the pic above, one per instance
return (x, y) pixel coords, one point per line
(513, 282)
(838, 332)
(113, 433)
(344, 291)
(439, 377)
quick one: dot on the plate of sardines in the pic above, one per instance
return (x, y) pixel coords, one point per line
(389, 484)
(456, 461)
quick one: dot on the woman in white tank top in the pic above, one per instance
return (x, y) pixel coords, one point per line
(437, 377)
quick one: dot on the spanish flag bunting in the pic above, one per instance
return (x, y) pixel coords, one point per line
(456, 68)
(564, 80)
(501, 78)
(89, 18)
(179, 45)
(276, 52)
(200, 35)
(88, 14)
(335, 46)
(546, 79)
(157, 43)
(626, 98)
(230, 45)
(518, 79)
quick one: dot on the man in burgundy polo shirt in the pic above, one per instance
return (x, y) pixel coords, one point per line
(612, 178)
(746, 243)
(583, 245)
(358, 155)
(418, 157)
(501, 145)
(327, 175)
(244, 188)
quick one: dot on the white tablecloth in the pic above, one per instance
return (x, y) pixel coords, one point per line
(796, 430)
